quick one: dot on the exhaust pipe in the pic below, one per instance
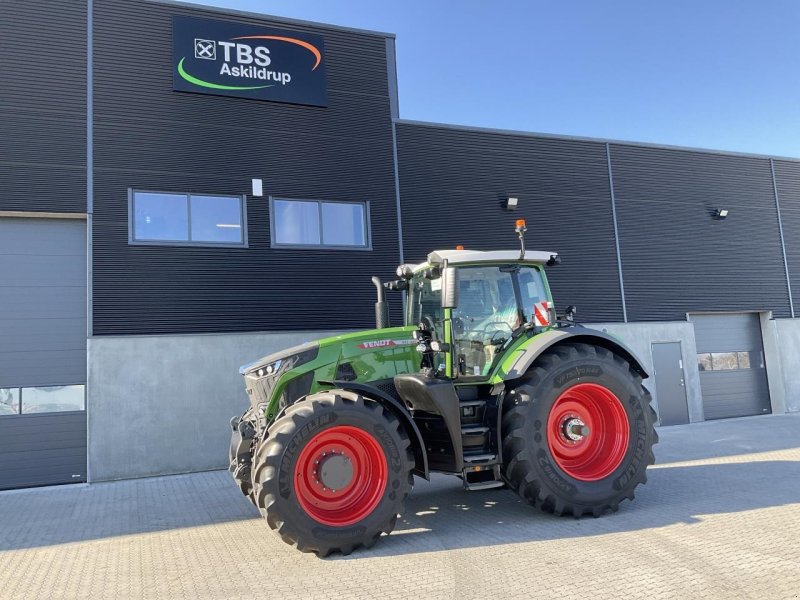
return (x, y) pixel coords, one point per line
(381, 307)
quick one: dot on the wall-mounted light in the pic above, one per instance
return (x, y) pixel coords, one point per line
(721, 213)
(511, 203)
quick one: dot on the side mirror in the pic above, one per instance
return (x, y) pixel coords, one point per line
(554, 260)
(398, 285)
(405, 271)
(450, 287)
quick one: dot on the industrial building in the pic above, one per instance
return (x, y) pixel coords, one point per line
(184, 189)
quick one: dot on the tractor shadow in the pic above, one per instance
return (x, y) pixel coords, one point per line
(688, 482)
(441, 515)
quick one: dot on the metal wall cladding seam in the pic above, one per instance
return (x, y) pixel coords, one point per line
(43, 106)
(453, 183)
(787, 179)
(676, 256)
(149, 137)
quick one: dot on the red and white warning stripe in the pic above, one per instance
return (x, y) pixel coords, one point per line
(541, 313)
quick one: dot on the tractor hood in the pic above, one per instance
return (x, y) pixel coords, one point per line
(373, 355)
(366, 345)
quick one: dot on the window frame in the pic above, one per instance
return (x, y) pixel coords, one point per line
(21, 414)
(321, 246)
(132, 241)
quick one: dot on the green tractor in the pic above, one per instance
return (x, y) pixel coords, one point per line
(484, 382)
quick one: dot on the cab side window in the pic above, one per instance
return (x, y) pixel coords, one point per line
(486, 316)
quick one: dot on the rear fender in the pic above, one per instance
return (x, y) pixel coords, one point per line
(527, 355)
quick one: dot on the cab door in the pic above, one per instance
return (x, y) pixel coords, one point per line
(495, 301)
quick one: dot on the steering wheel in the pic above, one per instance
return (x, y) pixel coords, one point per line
(493, 325)
(428, 322)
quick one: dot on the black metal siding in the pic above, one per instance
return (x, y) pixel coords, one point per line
(676, 258)
(787, 178)
(149, 137)
(43, 106)
(452, 184)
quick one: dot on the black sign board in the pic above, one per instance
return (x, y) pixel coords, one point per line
(227, 59)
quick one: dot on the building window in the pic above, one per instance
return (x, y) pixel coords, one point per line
(727, 361)
(167, 218)
(31, 400)
(9, 401)
(318, 223)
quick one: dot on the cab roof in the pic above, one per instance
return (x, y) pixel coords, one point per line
(455, 257)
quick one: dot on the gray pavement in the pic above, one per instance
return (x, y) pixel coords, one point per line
(719, 518)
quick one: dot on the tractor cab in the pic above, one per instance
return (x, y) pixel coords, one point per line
(472, 309)
(476, 304)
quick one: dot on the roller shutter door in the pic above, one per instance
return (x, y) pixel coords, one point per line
(42, 352)
(733, 376)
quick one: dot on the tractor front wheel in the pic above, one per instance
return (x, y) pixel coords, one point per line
(578, 432)
(333, 472)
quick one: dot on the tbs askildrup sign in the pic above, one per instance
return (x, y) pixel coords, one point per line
(227, 59)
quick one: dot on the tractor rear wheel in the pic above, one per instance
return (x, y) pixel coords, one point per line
(333, 473)
(578, 432)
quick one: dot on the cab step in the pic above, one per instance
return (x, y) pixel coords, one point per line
(482, 476)
(471, 411)
(484, 485)
(480, 458)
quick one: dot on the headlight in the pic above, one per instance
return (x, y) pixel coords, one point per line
(269, 369)
(280, 362)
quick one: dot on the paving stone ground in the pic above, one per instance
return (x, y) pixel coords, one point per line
(719, 518)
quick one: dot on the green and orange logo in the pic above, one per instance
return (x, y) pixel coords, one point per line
(228, 58)
(244, 60)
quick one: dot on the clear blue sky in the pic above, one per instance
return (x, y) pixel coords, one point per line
(719, 74)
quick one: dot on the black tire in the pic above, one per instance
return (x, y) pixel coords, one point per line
(529, 466)
(277, 457)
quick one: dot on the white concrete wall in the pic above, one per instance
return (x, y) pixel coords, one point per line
(788, 334)
(640, 336)
(161, 404)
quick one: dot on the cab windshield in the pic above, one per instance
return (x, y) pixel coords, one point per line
(494, 301)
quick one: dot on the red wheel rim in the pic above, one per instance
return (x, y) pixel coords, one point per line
(588, 431)
(340, 476)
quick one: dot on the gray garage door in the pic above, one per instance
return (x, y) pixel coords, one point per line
(733, 377)
(42, 352)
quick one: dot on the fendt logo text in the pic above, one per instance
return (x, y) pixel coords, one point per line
(231, 59)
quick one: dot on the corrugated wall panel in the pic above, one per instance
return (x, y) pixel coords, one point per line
(149, 137)
(787, 178)
(453, 182)
(43, 106)
(42, 449)
(42, 302)
(676, 257)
